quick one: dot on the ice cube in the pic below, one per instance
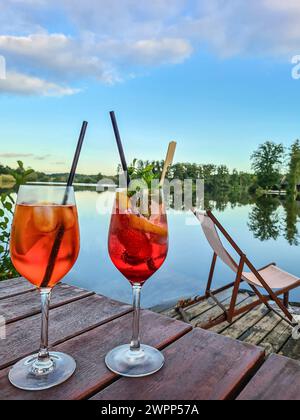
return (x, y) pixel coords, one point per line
(68, 217)
(45, 218)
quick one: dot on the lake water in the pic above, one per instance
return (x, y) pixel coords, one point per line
(266, 231)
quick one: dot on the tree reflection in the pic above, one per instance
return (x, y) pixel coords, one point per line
(264, 219)
(292, 210)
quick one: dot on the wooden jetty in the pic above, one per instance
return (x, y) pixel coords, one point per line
(200, 364)
(260, 327)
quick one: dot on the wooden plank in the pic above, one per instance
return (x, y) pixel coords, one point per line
(199, 308)
(214, 313)
(277, 380)
(28, 304)
(237, 329)
(274, 341)
(199, 366)
(259, 331)
(65, 322)
(291, 349)
(222, 327)
(14, 287)
(171, 313)
(11, 282)
(89, 351)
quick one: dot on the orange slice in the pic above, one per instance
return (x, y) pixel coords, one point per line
(142, 224)
(123, 202)
(23, 236)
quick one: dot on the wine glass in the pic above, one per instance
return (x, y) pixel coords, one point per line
(138, 246)
(44, 247)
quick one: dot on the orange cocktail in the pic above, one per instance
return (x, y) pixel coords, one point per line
(35, 229)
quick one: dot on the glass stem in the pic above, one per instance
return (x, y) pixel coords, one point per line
(44, 364)
(135, 344)
(45, 299)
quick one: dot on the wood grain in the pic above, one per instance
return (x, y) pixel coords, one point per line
(243, 325)
(277, 380)
(222, 327)
(277, 338)
(258, 332)
(214, 313)
(14, 287)
(27, 304)
(65, 322)
(89, 351)
(199, 366)
(291, 349)
(200, 308)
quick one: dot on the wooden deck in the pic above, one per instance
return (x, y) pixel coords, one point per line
(260, 326)
(200, 365)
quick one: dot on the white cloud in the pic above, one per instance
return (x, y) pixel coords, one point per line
(67, 58)
(108, 40)
(13, 155)
(21, 84)
(257, 27)
(57, 54)
(163, 51)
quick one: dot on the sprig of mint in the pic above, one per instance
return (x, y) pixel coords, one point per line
(145, 174)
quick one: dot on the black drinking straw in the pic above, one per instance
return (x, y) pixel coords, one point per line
(119, 144)
(61, 230)
(77, 154)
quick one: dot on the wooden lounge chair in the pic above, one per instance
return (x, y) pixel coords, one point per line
(271, 278)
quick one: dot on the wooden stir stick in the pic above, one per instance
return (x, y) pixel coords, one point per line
(168, 161)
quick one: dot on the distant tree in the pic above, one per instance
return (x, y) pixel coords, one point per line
(267, 161)
(21, 175)
(208, 172)
(222, 178)
(4, 170)
(293, 177)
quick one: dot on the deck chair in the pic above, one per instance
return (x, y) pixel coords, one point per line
(275, 281)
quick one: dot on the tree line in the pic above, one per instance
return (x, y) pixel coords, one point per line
(274, 167)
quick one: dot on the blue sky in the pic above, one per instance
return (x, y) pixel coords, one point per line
(214, 75)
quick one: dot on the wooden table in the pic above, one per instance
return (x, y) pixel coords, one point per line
(277, 380)
(199, 364)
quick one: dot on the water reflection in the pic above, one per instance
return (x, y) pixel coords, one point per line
(292, 210)
(266, 228)
(270, 216)
(265, 219)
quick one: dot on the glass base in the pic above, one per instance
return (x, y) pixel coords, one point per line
(134, 364)
(22, 374)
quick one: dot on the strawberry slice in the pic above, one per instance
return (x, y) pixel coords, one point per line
(136, 244)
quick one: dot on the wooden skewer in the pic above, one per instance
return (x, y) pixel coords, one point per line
(168, 161)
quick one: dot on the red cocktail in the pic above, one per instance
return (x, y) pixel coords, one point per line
(138, 246)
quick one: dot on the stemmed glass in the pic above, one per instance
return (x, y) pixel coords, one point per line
(44, 247)
(138, 246)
